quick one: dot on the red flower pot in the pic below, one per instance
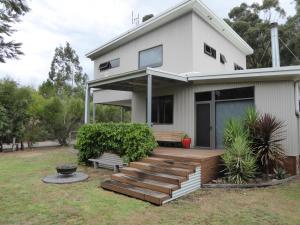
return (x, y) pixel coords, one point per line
(186, 143)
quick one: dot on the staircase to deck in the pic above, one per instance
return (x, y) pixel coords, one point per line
(156, 179)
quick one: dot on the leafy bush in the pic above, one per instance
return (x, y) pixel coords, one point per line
(240, 164)
(268, 135)
(131, 141)
(234, 128)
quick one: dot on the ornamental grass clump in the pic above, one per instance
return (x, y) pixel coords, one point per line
(239, 162)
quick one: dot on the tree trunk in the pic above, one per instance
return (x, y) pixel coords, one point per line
(1, 147)
(22, 145)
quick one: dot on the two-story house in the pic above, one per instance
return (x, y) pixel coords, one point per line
(185, 70)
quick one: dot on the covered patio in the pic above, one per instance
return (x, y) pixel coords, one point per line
(147, 80)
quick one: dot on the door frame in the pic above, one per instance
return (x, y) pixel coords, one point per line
(212, 122)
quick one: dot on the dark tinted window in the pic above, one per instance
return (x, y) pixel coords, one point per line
(203, 96)
(152, 57)
(210, 51)
(162, 109)
(223, 59)
(109, 65)
(236, 93)
(237, 67)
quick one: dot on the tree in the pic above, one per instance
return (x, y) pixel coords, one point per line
(14, 102)
(290, 39)
(66, 77)
(253, 24)
(60, 117)
(10, 13)
(34, 128)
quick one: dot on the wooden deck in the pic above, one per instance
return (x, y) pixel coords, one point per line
(210, 160)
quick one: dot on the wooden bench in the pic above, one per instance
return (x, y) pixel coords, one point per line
(168, 136)
(108, 161)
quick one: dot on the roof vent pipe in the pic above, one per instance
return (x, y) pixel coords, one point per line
(275, 45)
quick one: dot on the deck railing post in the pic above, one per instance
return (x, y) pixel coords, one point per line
(149, 100)
(87, 105)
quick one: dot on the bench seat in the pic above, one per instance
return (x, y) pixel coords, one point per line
(108, 161)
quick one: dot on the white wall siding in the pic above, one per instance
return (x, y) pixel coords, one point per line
(277, 98)
(176, 38)
(271, 97)
(204, 33)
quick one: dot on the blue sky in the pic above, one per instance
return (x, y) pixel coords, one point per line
(86, 25)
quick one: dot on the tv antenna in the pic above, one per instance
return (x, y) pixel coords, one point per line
(135, 19)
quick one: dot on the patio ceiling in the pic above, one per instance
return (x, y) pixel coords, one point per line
(137, 81)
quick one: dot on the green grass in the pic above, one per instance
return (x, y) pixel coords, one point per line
(25, 199)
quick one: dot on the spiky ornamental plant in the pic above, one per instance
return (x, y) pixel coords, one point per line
(267, 141)
(233, 128)
(240, 164)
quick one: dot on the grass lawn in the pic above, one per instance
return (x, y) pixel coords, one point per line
(25, 199)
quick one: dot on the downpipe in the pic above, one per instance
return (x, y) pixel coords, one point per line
(297, 108)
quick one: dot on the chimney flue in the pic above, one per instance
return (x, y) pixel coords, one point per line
(275, 45)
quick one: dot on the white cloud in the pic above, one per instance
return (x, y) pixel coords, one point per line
(86, 25)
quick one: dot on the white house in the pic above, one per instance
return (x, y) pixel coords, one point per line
(185, 70)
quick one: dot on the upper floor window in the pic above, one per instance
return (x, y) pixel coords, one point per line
(109, 65)
(237, 67)
(210, 51)
(223, 59)
(152, 57)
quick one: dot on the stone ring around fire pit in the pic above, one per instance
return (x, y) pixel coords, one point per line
(66, 174)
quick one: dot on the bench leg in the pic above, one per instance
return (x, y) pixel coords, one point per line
(95, 165)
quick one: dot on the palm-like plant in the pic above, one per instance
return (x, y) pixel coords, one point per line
(268, 135)
(239, 162)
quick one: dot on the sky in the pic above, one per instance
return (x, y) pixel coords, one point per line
(86, 25)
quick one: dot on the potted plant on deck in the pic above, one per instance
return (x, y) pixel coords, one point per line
(186, 141)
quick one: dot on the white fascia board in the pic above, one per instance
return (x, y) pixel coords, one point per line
(165, 74)
(117, 78)
(289, 72)
(171, 14)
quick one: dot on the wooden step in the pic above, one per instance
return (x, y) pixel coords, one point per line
(146, 183)
(177, 158)
(160, 169)
(154, 197)
(173, 163)
(167, 178)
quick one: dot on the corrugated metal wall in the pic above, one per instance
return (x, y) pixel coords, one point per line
(276, 98)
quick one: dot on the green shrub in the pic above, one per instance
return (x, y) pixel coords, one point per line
(240, 164)
(130, 141)
(234, 128)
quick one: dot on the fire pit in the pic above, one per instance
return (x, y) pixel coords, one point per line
(66, 174)
(66, 170)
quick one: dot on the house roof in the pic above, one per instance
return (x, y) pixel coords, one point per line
(186, 6)
(250, 75)
(137, 79)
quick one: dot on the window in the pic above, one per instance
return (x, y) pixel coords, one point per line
(152, 57)
(162, 110)
(223, 59)
(203, 96)
(210, 51)
(237, 67)
(109, 65)
(237, 93)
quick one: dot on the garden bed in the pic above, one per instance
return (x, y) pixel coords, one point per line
(262, 184)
